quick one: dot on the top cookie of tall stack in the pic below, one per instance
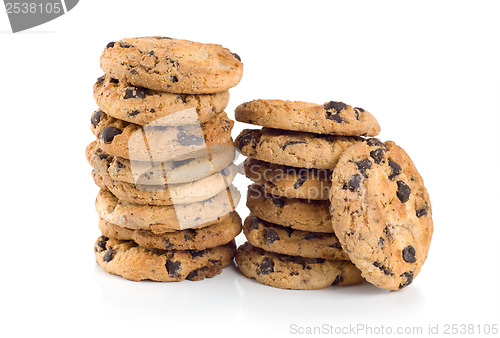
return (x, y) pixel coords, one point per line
(172, 65)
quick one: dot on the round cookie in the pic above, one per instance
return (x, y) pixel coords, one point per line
(160, 219)
(172, 65)
(216, 159)
(293, 148)
(144, 106)
(288, 181)
(158, 144)
(295, 213)
(334, 118)
(127, 259)
(288, 241)
(168, 194)
(381, 213)
(292, 272)
(190, 239)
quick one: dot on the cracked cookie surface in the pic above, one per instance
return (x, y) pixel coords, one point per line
(293, 148)
(127, 259)
(381, 213)
(334, 117)
(172, 65)
(144, 106)
(293, 272)
(284, 240)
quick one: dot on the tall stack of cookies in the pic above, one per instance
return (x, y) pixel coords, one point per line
(328, 206)
(163, 159)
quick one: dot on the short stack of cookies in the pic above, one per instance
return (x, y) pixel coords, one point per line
(163, 159)
(328, 206)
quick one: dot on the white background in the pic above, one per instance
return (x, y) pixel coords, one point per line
(428, 70)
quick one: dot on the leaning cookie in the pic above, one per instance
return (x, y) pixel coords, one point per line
(292, 272)
(168, 194)
(299, 214)
(293, 148)
(335, 118)
(127, 259)
(279, 239)
(161, 219)
(158, 144)
(143, 106)
(217, 234)
(172, 65)
(289, 181)
(216, 158)
(381, 213)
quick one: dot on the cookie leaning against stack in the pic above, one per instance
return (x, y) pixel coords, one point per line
(163, 159)
(291, 242)
(357, 206)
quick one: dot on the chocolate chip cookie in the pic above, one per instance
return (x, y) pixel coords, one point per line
(284, 240)
(292, 272)
(381, 213)
(293, 148)
(289, 181)
(290, 212)
(158, 144)
(144, 106)
(217, 234)
(168, 194)
(127, 259)
(334, 117)
(172, 65)
(214, 160)
(160, 219)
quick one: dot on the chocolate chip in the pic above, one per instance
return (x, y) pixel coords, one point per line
(254, 224)
(335, 117)
(109, 255)
(335, 106)
(111, 44)
(299, 182)
(134, 93)
(357, 112)
(271, 236)
(381, 242)
(174, 79)
(168, 245)
(186, 139)
(409, 254)
(173, 62)
(377, 155)
(109, 133)
(409, 279)
(388, 233)
(101, 243)
(403, 192)
(151, 53)
(187, 237)
(266, 267)
(339, 279)
(244, 139)
(396, 170)
(100, 80)
(96, 118)
(278, 201)
(423, 212)
(291, 143)
(172, 267)
(372, 142)
(363, 166)
(125, 45)
(237, 56)
(353, 183)
(384, 269)
(197, 253)
(164, 38)
(115, 81)
(132, 71)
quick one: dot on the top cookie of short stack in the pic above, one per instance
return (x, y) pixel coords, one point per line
(172, 65)
(332, 118)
